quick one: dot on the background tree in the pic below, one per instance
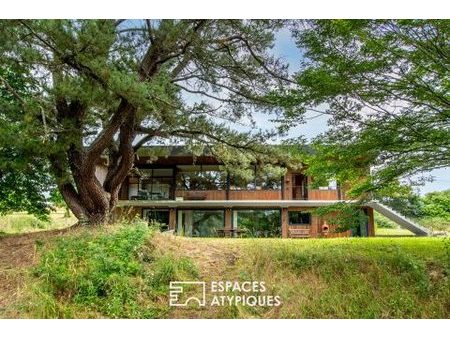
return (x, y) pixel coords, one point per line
(385, 85)
(99, 88)
(24, 175)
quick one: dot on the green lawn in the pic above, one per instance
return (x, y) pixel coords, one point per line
(394, 232)
(125, 272)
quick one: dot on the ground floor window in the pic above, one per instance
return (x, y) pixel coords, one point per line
(200, 223)
(299, 218)
(259, 223)
(160, 216)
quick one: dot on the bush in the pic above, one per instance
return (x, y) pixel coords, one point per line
(383, 222)
(437, 204)
(96, 270)
(436, 223)
(113, 274)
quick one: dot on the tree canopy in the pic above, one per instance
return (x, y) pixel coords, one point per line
(94, 88)
(24, 175)
(385, 85)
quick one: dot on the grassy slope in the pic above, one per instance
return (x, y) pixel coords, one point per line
(125, 273)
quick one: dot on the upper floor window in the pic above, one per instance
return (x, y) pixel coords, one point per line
(256, 179)
(201, 180)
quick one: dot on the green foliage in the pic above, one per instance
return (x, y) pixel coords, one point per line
(132, 78)
(346, 216)
(385, 85)
(339, 278)
(405, 202)
(168, 268)
(24, 173)
(113, 274)
(437, 204)
(21, 222)
(97, 271)
(383, 222)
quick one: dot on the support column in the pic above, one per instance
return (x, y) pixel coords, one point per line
(179, 229)
(235, 219)
(287, 186)
(172, 219)
(284, 223)
(228, 185)
(228, 221)
(371, 222)
(315, 227)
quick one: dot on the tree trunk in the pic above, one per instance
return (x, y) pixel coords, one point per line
(91, 201)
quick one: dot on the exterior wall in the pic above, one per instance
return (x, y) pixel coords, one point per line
(322, 195)
(287, 183)
(228, 219)
(255, 195)
(305, 231)
(172, 218)
(201, 194)
(285, 193)
(284, 223)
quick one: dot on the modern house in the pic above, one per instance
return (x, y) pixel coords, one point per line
(196, 196)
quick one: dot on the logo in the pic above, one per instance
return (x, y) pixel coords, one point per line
(221, 293)
(180, 293)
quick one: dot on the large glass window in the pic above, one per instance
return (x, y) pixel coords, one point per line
(160, 216)
(202, 180)
(259, 223)
(157, 188)
(256, 179)
(299, 218)
(200, 223)
(154, 184)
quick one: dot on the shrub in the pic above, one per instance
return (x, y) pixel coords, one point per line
(114, 274)
(383, 222)
(99, 271)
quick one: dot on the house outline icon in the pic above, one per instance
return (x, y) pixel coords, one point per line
(176, 289)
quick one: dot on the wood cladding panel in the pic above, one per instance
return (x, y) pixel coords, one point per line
(201, 194)
(255, 195)
(316, 194)
(233, 195)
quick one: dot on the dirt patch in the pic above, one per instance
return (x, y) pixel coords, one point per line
(213, 258)
(17, 253)
(216, 261)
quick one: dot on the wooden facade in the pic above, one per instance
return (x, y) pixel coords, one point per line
(293, 186)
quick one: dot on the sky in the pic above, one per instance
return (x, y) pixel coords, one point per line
(287, 50)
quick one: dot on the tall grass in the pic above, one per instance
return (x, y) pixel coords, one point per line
(353, 278)
(96, 274)
(21, 222)
(124, 272)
